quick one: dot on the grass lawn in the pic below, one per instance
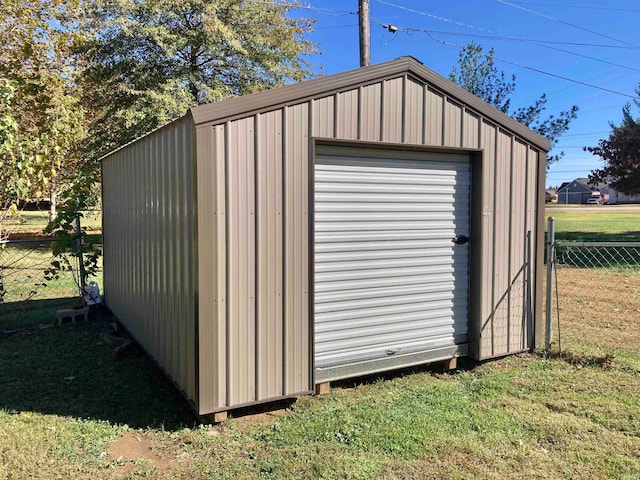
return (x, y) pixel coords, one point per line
(29, 223)
(597, 224)
(69, 409)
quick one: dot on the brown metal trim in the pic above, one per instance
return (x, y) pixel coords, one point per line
(392, 146)
(312, 284)
(304, 91)
(476, 255)
(539, 252)
(238, 406)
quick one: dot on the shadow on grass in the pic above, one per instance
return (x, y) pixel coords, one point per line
(70, 371)
(600, 361)
(30, 313)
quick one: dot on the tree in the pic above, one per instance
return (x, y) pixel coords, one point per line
(621, 154)
(477, 73)
(148, 61)
(39, 155)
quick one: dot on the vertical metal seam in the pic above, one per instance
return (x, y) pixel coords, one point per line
(284, 129)
(444, 121)
(257, 257)
(335, 115)
(311, 244)
(425, 90)
(403, 127)
(382, 112)
(493, 259)
(525, 283)
(227, 331)
(510, 251)
(359, 119)
(479, 142)
(463, 112)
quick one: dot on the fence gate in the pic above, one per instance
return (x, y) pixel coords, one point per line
(597, 257)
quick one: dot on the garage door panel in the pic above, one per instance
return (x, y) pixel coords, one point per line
(434, 278)
(333, 300)
(388, 277)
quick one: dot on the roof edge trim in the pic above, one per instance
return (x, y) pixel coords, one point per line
(308, 89)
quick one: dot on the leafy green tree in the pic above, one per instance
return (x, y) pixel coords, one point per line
(476, 72)
(621, 155)
(148, 61)
(40, 97)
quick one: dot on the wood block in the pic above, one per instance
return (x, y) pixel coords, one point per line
(216, 417)
(450, 363)
(322, 388)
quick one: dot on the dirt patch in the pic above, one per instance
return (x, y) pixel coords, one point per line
(131, 448)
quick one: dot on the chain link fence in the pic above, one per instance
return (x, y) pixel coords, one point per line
(26, 272)
(619, 255)
(588, 272)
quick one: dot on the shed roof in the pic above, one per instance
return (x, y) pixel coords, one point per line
(220, 112)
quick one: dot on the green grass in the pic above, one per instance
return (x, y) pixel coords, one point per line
(596, 225)
(34, 222)
(69, 409)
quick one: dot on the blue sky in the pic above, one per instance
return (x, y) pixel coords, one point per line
(606, 31)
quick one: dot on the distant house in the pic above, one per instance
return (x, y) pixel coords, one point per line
(577, 191)
(551, 195)
(581, 191)
(612, 196)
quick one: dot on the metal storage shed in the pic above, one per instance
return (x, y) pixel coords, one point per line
(257, 246)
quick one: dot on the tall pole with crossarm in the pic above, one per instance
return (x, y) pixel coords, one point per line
(365, 36)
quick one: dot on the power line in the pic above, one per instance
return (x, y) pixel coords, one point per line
(585, 7)
(531, 40)
(534, 12)
(526, 67)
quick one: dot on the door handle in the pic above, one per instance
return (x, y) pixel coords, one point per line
(460, 239)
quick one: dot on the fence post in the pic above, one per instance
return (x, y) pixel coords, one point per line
(551, 234)
(83, 273)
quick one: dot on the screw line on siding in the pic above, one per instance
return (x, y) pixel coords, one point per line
(257, 151)
(226, 259)
(425, 91)
(285, 386)
(403, 128)
(510, 250)
(382, 95)
(493, 246)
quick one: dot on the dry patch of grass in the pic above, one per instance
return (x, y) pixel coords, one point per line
(599, 307)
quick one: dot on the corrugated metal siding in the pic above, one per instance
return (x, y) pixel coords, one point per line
(297, 368)
(392, 110)
(149, 246)
(414, 111)
(252, 286)
(370, 112)
(433, 117)
(269, 242)
(387, 276)
(487, 311)
(269, 307)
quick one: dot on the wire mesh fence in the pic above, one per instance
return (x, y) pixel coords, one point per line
(619, 255)
(26, 272)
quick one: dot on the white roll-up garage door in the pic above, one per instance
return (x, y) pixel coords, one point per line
(389, 279)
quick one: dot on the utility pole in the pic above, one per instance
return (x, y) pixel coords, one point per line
(365, 36)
